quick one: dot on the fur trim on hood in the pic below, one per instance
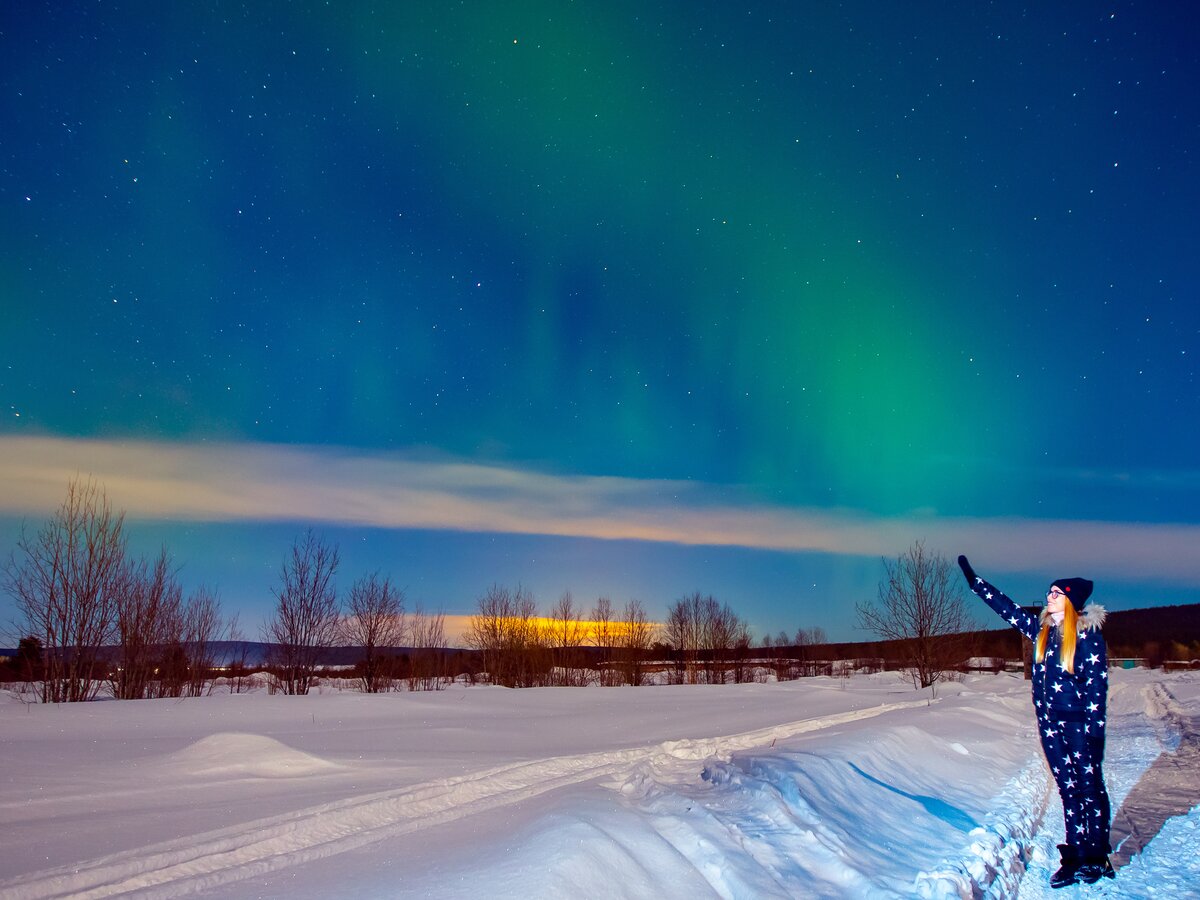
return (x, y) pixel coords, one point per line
(1091, 618)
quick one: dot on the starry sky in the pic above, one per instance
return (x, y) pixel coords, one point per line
(626, 299)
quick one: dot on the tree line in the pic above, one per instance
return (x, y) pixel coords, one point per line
(93, 614)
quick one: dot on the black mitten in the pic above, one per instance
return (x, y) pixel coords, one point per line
(967, 570)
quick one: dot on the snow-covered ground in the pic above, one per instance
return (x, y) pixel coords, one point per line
(823, 787)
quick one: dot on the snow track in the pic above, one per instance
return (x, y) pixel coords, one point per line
(205, 861)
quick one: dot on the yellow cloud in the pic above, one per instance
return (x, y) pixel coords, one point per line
(264, 482)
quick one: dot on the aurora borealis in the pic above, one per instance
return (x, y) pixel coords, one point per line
(906, 268)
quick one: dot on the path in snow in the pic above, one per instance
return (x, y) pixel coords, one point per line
(205, 861)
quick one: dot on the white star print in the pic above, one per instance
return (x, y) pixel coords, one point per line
(1057, 688)
(1092, 707)
(1093, 659)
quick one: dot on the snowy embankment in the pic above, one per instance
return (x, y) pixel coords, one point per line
(819, 788)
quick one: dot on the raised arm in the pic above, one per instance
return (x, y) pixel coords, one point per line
(1024, 622)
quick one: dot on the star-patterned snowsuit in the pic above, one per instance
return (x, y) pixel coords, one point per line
(1070, 709)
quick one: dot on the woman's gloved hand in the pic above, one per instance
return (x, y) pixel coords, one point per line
(967, 570)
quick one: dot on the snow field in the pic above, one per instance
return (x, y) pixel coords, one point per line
(818, 788)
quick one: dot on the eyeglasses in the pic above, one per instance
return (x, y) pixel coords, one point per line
(1055, 593)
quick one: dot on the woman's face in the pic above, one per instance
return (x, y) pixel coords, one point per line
(1055, 600)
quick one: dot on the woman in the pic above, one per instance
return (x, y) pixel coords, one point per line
(1070, 688)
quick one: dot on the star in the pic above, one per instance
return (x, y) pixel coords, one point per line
(988, 595)
(1012, 620)
(1089, 769)
(1057, 688)
(1094, 658)
(1070, 782)
(1093, 706)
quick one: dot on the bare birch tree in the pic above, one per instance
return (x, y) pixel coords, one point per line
(375, 622)
(65, 580)
(306, 616)
(920, 605)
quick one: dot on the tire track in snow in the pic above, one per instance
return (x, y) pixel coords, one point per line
(201, 862)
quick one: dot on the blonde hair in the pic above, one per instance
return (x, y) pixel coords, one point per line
(1066, 650)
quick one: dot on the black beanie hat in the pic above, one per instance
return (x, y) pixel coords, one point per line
(1076, 589)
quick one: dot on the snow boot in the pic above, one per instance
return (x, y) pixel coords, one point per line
(1070, 864)
(1094, 868)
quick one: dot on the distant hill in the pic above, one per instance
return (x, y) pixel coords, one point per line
(1162, 624)
(1127, 632)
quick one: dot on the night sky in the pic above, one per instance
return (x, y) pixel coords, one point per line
(632, 299)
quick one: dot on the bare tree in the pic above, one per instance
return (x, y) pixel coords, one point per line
(567, 634)
(148, 623)
(202, 623)
(681, 631)
(603, 637)
(306, 617)
(635, 635)
(375, 622)
(239, 655)
(427, 634)
(507, 632)
(725, 638)
(66, 579)
(920, 605)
